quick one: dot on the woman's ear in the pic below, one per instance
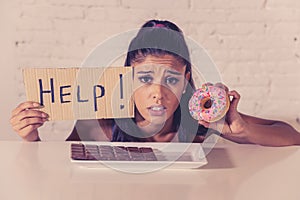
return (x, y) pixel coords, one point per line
(188, 76)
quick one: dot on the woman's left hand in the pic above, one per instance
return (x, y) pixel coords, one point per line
(232, 126)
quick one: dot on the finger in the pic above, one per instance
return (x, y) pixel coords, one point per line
(221, 85)
(28, 114)
(204, 123)
(28, 129)
(235, 100)
(207, 84)
(211, 125)
(28, 122)
(24, 106)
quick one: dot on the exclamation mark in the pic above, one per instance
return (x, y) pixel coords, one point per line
(121, 90)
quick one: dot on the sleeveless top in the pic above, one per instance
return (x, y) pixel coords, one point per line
(119, 135)
(121, 128)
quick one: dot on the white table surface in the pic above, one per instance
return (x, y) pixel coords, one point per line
(42, 170)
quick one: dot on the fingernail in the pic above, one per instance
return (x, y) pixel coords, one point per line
(36, 104)
(45, 115)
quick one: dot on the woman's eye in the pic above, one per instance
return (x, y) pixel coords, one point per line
(171, 80)
(146, 79)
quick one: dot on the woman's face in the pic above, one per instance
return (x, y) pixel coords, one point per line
(159, 82)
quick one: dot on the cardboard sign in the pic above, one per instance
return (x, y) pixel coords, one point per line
(81, 93)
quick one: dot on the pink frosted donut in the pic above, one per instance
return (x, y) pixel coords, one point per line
(209, 104)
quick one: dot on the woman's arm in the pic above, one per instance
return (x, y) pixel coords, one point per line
(268, 132)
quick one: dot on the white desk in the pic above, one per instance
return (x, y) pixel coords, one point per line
(235, 172)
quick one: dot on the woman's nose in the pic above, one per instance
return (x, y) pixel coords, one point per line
(158, 91)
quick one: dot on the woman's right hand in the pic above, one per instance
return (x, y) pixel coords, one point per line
(26, 119)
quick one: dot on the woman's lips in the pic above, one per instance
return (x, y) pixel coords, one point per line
(157, 110)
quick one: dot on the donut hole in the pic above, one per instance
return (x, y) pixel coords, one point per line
(207, 104)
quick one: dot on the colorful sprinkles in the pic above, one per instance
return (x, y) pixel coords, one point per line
(219, 103)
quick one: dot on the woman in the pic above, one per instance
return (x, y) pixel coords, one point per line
(163, 85)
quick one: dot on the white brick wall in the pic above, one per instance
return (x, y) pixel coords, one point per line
(255, 44)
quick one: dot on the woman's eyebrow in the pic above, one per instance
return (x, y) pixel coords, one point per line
(145, 72)
(173, 72)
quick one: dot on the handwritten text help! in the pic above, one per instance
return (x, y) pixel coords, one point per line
(81, 93)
